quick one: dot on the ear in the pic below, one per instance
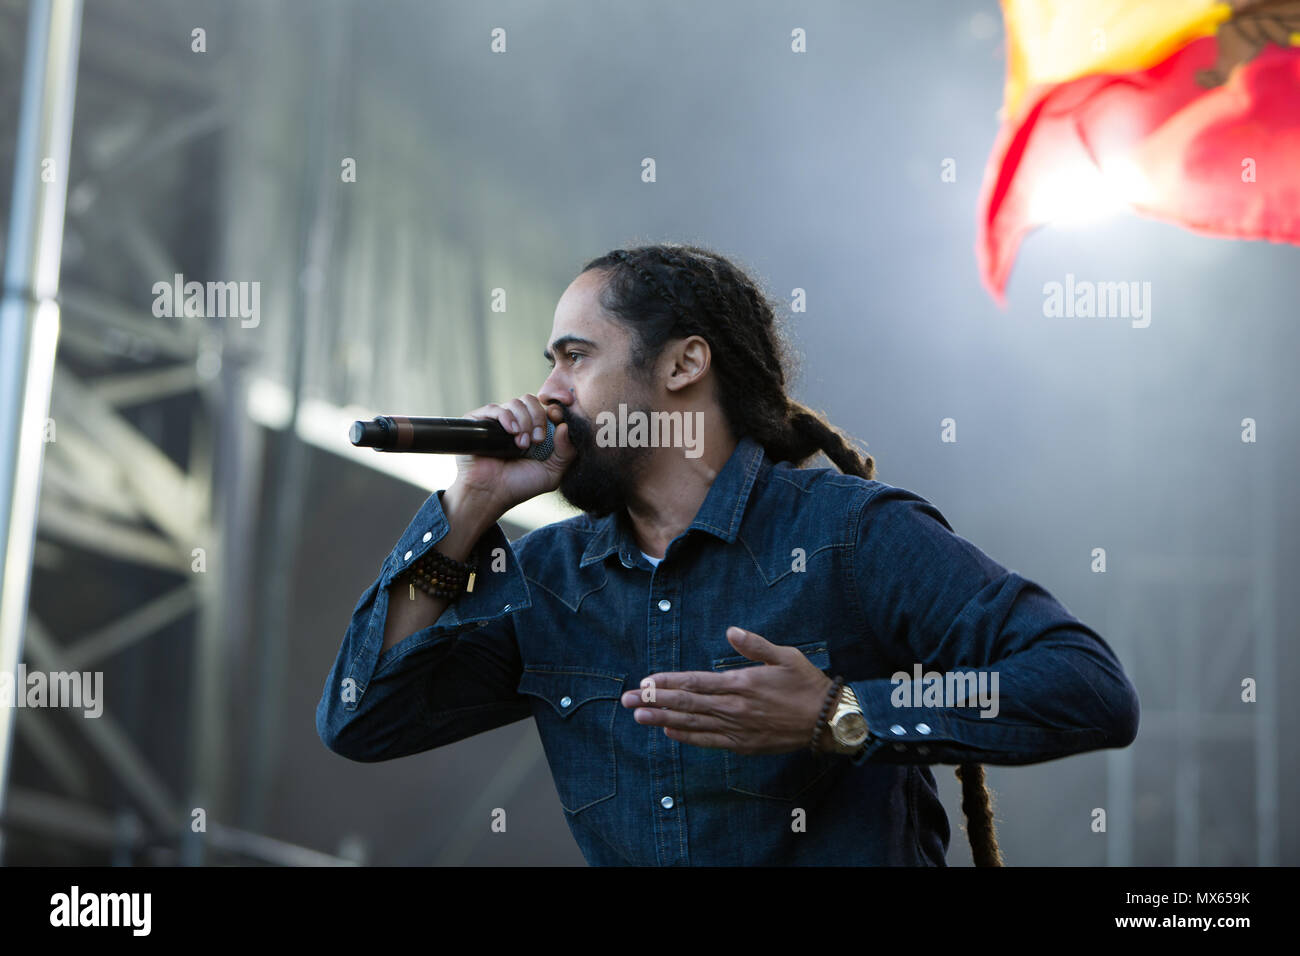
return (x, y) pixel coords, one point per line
(689, 361)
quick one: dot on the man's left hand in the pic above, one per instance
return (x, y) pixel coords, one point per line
(750, 710)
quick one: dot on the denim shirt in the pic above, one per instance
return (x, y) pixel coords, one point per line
(868, 580)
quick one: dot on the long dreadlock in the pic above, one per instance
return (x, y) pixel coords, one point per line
(674, 290)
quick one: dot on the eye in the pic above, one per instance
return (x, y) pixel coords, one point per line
(571, 354)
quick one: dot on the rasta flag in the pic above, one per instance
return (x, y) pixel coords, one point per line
(1187, 111)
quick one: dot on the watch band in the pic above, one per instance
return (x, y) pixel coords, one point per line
(848, 704)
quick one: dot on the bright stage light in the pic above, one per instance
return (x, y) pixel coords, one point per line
(1079, 193)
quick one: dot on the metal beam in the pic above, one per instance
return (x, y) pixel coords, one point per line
(258, 846)
(89, 825)
(176, 338)
(29, 314)
(90, 532)
(77, 473)
(71, 819)
(148, 385)
(159, 486)
(62, 763)
(134, 773)
(158, 143)
(135, 625)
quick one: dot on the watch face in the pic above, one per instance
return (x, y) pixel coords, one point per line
(851, 729)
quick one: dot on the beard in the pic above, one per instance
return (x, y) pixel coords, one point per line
(599, 480)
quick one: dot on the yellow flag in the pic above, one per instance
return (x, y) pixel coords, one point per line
(1051, 41)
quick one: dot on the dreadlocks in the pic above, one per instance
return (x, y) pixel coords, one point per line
(672, 291)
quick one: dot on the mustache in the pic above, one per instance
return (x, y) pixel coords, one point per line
(579, 428)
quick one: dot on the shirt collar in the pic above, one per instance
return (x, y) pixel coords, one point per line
(720, 514)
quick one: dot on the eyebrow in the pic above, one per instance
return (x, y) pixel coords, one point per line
(563, 342)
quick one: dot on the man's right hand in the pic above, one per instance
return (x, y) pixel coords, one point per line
(505, 482)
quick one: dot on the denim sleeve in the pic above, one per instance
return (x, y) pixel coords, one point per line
(453, 679)
(1052, 686)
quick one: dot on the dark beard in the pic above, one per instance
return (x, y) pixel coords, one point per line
(599, 480)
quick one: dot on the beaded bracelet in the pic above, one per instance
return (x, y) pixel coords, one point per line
(440, 576)
(832, 696)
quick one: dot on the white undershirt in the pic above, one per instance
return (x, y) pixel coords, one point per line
(654, 561)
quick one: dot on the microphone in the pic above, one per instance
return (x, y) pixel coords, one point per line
(447, 436)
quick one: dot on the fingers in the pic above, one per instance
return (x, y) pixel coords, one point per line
(690, 683)
(564, 450)
(683, 702)
(756, 647)
(497, 413)
(524, 417)
(530, 417)
(700, 723)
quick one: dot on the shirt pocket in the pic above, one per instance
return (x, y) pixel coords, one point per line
(784, 776)
(575, 709)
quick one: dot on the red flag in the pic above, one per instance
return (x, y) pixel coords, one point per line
(1208, 138)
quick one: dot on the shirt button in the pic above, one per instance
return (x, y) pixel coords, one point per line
(665, 604)
(427, 536)
(897, 729)
(666, 803)
(566, 701)
(922, 728)
(408, 556)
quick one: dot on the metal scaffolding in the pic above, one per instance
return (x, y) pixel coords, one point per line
(112, 488)
(29, 313)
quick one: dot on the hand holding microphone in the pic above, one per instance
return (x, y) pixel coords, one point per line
(505, 453)
(510, 482)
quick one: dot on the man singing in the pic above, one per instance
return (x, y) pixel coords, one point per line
(711, 650)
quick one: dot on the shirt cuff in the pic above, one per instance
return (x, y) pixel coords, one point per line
(902, 734)
(499, 585)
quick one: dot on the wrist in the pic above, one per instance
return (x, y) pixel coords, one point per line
(848, 728)
(469, 515)
(821, 735)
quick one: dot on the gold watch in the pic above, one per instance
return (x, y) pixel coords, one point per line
(848, 725)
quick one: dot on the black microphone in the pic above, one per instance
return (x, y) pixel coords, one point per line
(447, 436)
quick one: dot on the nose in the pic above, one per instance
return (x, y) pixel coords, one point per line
(553, 391)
